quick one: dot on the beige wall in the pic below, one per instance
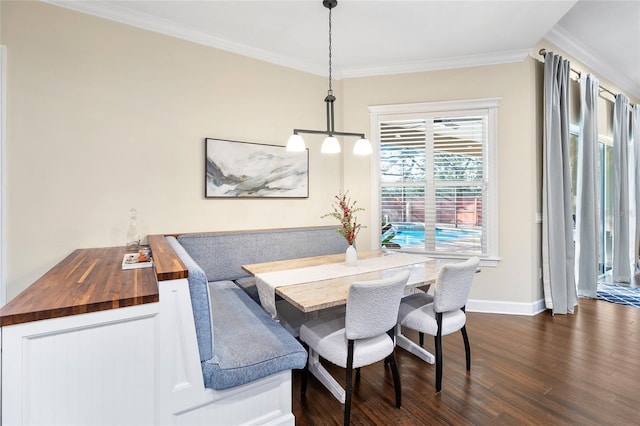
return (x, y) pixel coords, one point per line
(103, 117)
(516, 278)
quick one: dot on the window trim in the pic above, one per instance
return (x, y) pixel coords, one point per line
(490, 178)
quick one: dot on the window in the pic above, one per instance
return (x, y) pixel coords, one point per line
(436, 175)
(605, 193)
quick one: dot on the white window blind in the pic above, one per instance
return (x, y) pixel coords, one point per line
(433, 192)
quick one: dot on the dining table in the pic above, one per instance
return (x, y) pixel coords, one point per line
(315, 284)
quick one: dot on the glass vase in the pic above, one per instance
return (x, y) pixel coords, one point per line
(351, 255)
(133, 237)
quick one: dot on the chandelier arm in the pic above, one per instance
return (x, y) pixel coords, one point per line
(324, 132)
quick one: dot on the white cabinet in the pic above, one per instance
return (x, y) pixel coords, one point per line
(95, 368)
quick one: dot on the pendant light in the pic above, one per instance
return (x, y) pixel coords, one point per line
(330, 145)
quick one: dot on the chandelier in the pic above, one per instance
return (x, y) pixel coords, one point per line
(330, 145)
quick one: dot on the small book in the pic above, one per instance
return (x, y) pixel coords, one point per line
(136, 260)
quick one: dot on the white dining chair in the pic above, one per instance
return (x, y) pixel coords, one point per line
(363, 336)
(446, 313)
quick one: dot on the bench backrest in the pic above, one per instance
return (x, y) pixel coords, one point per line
(222, 254)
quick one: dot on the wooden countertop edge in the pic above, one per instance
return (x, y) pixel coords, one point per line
(166, 261)
(19, 318)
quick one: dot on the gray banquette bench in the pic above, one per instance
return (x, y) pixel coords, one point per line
(237, 340)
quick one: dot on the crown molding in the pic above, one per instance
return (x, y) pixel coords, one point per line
(468, 61)
(124, 15)
(561, 38)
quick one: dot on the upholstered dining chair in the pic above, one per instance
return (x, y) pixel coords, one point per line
(446, 313)
(360, 337)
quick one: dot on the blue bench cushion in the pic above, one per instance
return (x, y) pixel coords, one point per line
(249, 344)
(248, 284)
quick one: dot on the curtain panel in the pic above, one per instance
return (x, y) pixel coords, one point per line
(635, 137)
(558, 265)
(625, 193)
(587, 204)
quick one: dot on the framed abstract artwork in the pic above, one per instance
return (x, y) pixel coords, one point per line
(250, 170)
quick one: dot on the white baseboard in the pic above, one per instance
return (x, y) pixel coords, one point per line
(508, 308)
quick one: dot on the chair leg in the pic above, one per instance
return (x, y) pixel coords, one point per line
(347, 399)
(438, 344)
(467, 348)
(305, 372)
(357, 374)
(421, 337)
(465, 338)
(392, 335)
(391, 359)
(396, 378)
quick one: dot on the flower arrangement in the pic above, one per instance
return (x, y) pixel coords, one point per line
(344, 210)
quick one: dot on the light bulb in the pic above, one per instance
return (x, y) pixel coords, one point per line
(295, 143)
(362, 147)
(330, 145)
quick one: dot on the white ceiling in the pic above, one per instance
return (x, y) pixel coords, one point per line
(394, 36)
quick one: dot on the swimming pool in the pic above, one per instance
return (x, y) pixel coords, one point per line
(410, 236)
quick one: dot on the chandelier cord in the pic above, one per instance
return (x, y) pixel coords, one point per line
(330, 91)
(330, 145)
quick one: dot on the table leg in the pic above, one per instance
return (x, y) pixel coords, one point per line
(412, 347)
(325, 378)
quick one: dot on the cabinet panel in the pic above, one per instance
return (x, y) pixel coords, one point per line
(93, 368)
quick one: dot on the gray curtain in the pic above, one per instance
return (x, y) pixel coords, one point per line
(635, 136)
(587, 206)
(557, 223)
(621, 268)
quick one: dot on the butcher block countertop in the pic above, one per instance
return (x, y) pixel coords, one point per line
(88, 280)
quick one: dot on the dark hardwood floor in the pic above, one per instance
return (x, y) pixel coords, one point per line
(581, 369)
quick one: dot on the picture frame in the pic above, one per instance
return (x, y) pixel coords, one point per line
(236, 169)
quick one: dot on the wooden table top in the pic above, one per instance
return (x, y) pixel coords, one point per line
(87, 280)
(323, 294)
